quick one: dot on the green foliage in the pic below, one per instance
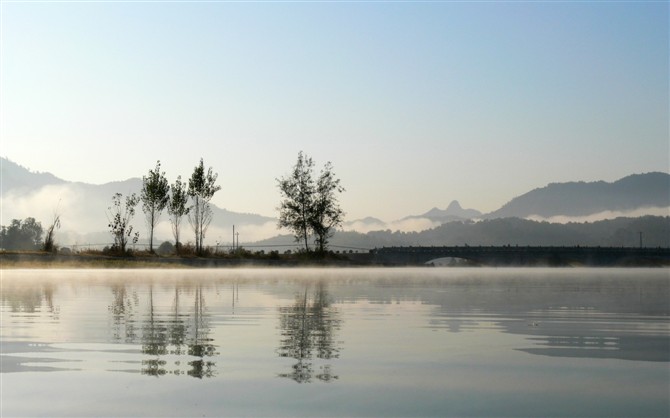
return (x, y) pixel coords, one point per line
(21, 235)
(155, 195)
(308, 207)
(177, 208)
(119, 216)
(201, 189)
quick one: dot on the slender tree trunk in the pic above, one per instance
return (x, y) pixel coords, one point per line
(151, 232)
(305, 234)
(304, 228)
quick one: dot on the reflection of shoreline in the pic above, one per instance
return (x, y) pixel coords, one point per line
(611, 315)
(604, 346)
(640, 348)
(607, 313)
(607, 337)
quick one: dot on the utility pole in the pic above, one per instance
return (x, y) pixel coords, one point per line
(238, 240)
(233, 237)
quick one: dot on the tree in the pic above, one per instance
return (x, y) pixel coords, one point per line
(155, 195)
(297, 191)
(310, 208)
(21, 235)
(49, 239)
(119, 223)
(326, 214)
(201, 189)
(177, 208)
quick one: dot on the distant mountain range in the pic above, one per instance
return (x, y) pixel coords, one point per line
(619, 232)
(453, 212)
(83, 209)
(582, 199)
(631, 196)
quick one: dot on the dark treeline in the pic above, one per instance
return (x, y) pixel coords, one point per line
(22, 235)
(619, 232)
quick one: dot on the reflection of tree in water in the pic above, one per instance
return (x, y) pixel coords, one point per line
(29, 299)
(201, 345)
(307, 330)
(175, 333)
(122, 310)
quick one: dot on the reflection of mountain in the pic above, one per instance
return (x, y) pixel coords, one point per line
(307, 329)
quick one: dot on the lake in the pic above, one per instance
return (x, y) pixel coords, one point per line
(336, 342)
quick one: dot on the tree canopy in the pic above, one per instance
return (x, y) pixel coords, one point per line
(177, 208)
(310, 207)
(155, 195)
(201, 189)
(21, 235)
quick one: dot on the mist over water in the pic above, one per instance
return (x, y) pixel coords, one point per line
(344, 342)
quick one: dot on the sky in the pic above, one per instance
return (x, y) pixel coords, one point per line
(415, 104)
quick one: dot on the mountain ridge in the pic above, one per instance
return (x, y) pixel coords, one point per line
(85, 205)
(587, 198)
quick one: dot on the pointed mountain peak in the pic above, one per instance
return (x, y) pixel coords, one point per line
(454, 206)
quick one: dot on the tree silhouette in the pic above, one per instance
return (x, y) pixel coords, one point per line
(155, 196)
(177, 209)
(21, 235)
(326, 214)
(201, 189)
(119, 223)
(297, 192)
(308, 207)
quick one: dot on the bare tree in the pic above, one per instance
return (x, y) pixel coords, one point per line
(155, 195)
(49, 239)
(177, 208)
(201, 189)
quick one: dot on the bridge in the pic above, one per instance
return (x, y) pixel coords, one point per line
(525, 256)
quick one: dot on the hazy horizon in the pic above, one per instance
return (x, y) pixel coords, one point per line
(415, 104)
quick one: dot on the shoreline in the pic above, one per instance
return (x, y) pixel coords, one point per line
(40, 260)
(17, 260)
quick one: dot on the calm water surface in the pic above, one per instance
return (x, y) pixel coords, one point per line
(336, 342)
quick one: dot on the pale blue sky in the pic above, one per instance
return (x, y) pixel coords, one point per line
(415, 104)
